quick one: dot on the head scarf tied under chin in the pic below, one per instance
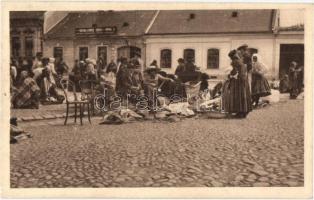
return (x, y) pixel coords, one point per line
(258, 65)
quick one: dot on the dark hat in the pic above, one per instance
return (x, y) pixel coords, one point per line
(243, 46)
(123, 60)
(181, 60)
(45, 61)
(232, 53)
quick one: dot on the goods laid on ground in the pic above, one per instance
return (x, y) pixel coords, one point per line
(17, 133)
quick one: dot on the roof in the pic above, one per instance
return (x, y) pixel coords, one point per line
(27, 15)
(212, 21)
(128, 23)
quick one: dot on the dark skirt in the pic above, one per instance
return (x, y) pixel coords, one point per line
(236, 96)
(260, 86)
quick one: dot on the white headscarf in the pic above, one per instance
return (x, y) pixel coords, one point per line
(259, 66)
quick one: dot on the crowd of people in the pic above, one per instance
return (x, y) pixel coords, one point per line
(35, 81)
(38, 81)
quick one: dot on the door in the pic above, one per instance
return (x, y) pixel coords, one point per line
(83, 53)
(102, 54)
(289, 53)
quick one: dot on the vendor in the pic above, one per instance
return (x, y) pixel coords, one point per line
(151, 79)
(27, 94)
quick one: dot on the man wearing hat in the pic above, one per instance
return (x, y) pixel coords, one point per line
(123, 81)
(136, 60)
(180, 68)
(247, 60)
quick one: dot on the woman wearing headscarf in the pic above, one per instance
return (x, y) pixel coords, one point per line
(237, 97)
(91, 72)
(294, 79)
(27, 94)
(260, 85)
(49, 92)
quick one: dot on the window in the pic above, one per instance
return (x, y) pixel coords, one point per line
(83, 53)
(102, 54)
(58, 52)
(16, 46)
(29, 46)
(189, 55)
(213, 59)
(165, 58)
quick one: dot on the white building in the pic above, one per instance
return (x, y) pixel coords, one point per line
(207, 36)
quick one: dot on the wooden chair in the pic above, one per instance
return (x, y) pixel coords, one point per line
(88, 92)
(68, 87)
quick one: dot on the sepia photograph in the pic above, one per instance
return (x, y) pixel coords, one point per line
(157, 98)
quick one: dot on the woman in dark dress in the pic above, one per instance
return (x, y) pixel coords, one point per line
(294, 80)
(238, 96)
(260, 86)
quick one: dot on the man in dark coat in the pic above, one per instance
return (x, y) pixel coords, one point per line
(246, 56)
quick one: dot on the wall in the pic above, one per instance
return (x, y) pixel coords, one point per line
(68, 50)
(71, 47)
(264, 43)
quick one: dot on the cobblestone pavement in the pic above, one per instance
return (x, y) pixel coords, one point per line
(266, 149)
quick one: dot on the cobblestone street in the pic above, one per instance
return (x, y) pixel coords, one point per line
(266, 149)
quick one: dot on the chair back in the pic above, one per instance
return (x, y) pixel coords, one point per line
(69, 90)
(87, 89)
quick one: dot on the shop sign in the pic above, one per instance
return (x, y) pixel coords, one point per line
(97, 31)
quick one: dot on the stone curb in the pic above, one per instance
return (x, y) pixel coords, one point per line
(56, 116)
(44, 117)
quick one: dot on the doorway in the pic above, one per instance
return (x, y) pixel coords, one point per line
(289, 53)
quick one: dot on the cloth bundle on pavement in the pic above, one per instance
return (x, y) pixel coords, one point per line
(180, 108)
(213, 104)
(273, 98)
(129, 115)
(17, 133)
(112, 118)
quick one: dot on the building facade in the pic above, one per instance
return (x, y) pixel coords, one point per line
(205, 36)
(26, 33)
(109, 35)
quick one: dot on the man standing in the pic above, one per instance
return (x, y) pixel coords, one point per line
(247, 60)
(137, 61)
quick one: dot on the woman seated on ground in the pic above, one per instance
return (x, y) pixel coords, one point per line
(260, 86)
(27, 94)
